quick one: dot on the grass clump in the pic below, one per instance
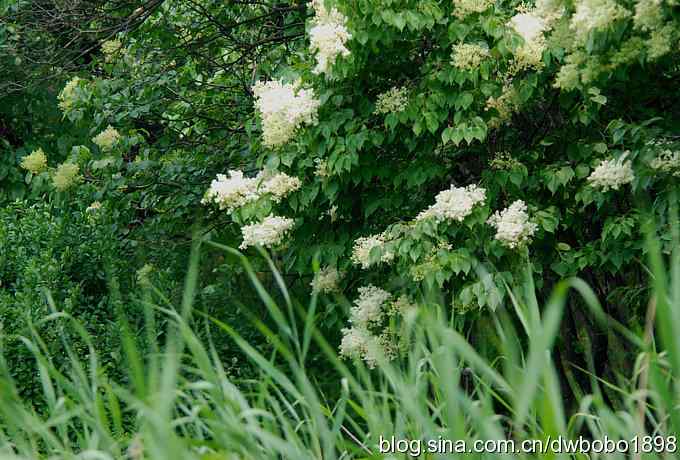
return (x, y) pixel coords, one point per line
(180, 402)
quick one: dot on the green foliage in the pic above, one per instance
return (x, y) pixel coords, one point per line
(45, 253)
(564, 113)
(184, 404)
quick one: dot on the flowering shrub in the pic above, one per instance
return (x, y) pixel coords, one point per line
(513, 110)
(410, 145)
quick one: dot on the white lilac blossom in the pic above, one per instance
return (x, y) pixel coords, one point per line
(369, 307)
(321, 169)
(507, 103)
(648, 14)
(279, 185)
(530, 27)
(269, 233)
(463, 8)
(68, 97)
(327, 36)
(513, 228)
(504, 161)
(612, 174)
(568, 77)
(36, 162)
(355, 342)
(103, 163)
(283, 108)
(232, 191)
(362, 250)
(549, 10)
(235, 190)
(455, 203)
(107, 138)
(467, 56)
(667, 162)
(367, 313)
(326, 281)
(661, 41)
(402, 307)
(110, 49)
(358, 343)
(144, 274)
(667, 159)
(66, 176)
(595, 15)
(391, 101)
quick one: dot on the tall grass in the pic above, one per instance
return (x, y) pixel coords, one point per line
(180, 402)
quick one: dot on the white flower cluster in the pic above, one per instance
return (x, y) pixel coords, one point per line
(328, 36)
(356, 343)
(235, 190)
(68, 96)
(107, 138)
(362, 250)
(268, 233)
(357, 340)
(66, 176)
(667, 160)
(503, 161)
(513, 228)
(392, 101)
(530, 27)
(467, 56)
(463, 8)
(36, 162)
(568, 77)
(232, 191)
(648, 14)
(612, 174)
(593, 15)
(368, 308)
(110, 49)
(661, 41)
(326, 281)
(278, 185)
(144, 274)
(321, 169)
(284, 108)
(455, 203)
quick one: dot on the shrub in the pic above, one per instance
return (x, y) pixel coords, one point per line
(69, 256)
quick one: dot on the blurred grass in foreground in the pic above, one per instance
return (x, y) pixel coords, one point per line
(181, 403)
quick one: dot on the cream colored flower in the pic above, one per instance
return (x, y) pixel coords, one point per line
(36, 162)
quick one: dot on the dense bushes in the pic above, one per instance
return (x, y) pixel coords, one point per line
(66, 254)
(58, 259)
(412, 146)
